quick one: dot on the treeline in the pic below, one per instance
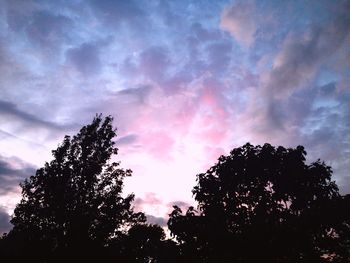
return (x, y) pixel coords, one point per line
(258, 204)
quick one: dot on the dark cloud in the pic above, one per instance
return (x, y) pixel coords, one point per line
(47, 29)
(154, 62)
(5, 225)
(219, 55)
(302, 55)
(18, 12)
(85, 58)
(140, 93)
(204, 34)
(10, 109)
(328, 89)
(127, 139)
(289, 90)
(156, 220)
(12, 172)
(115, 12)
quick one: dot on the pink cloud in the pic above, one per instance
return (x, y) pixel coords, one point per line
(158, 143)
(151, 203)
(238, 20)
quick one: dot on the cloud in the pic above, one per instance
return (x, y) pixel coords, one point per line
(139, 93)
(289, 91)
(115, 13)
(85, 58)
(5, 225)
(239, 20)
(47, 29)
(18, 12)
(154, 62)
(12, 172)
(180, 89)
(127, 139)
(219, 56)
(151, 204)
(204, 34)
(11, 110)
(302, 55)
(156, 220)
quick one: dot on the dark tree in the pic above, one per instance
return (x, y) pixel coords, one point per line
(265, 204)
(146, 243)
(73, 205)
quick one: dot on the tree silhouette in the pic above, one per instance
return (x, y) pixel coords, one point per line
(265, 204)
(146, 243)
(73, 205)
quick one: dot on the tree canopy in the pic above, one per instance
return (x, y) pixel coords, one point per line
(265, 204)
(257, 204)
(74, 202)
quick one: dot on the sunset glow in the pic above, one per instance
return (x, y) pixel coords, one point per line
(186, 81)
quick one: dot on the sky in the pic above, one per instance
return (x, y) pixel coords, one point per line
(186, 82)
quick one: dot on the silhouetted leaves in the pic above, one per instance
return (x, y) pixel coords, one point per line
(74, 204)
(258, 204)
(264, 204)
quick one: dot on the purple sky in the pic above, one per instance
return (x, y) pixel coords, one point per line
(186, 82)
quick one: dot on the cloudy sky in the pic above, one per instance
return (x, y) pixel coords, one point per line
(186, 81)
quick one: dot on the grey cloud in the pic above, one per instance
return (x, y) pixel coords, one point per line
(10, 109)
(18, 12)
(177, 82)
(328, 89)
(289, 91)
(319, 137)
(276, 116)
(219, 55)
(156, 220)
(11, 176)
(140, 93)
(318, 118)
(5, 225)
(154, 62)
(302, 55)
(114, 12)
(47, 29)
(204, 34)
(280, 115)
(238, 20)
(127, 139)
(85, 58)
(169, 17)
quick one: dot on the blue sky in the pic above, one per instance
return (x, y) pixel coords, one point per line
(186, 81)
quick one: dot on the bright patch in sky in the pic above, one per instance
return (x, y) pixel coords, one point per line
(186, 81)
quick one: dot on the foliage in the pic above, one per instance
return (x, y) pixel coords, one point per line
(258, 204)
(145, 243)
(74, 202)
(265, 204)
